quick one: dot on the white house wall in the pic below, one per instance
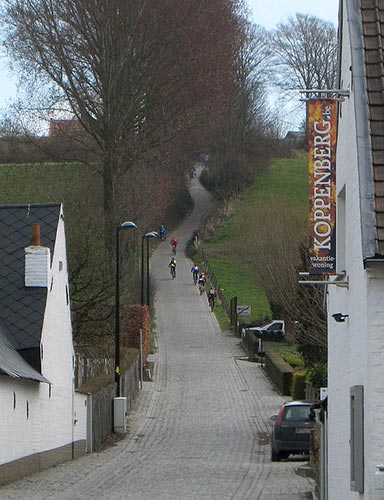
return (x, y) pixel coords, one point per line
(17, 432)
(374, 389)
(80, 421)
(56, 415)
(356, 346)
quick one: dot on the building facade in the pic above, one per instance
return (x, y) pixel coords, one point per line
(42, 418)
(356, 343)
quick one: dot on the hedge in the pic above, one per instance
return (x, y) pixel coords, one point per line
(298, 385)
(280, 372)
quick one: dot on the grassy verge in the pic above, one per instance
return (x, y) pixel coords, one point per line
(287, 352)
(222, 318)
(286, 179)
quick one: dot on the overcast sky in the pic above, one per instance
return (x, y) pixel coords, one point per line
(268, 13)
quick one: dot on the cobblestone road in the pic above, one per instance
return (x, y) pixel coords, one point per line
(200, 430)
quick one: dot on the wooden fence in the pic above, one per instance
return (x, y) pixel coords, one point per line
(100, 403)
(87, 369)
(225, 304)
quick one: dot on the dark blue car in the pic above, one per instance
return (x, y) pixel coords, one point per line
(291, 433)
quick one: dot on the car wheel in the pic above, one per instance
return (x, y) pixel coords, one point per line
(275, 456)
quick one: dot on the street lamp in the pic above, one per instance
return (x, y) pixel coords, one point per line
(154, 234)
(124, 225)
(151, 234)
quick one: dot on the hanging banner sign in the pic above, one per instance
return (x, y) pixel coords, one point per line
(322, 186)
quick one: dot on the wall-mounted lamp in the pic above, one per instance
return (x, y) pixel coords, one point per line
(339, 317)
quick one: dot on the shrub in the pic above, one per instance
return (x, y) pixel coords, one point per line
(318, 375)
(134, 319)
(298, 385)
(293, 360)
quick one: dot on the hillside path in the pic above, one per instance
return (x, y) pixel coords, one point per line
(200, 429)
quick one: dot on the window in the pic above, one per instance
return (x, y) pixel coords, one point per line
(297, 413)
(357, 438)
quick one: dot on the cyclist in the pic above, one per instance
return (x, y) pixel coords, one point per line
(172, 265)
(174, 243)
(195, 273)
(202, 280)
(162, 232)
(192, 172)
(211, 297)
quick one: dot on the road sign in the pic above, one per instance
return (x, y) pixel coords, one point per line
(244, 310)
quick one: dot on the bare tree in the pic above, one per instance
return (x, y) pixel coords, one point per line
(311, 318)
(273, 244)
(305, 53)
(240, 146)
(253, 54)
(273, 233)
(136, 74)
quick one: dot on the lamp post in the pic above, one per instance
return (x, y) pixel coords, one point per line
(151, 234)
(124, 225)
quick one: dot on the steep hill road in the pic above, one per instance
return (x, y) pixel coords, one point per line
(200, 429)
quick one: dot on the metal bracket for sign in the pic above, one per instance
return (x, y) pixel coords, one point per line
(337, 279)
(337, 94)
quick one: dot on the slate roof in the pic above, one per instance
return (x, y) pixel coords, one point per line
(12, 364)
(372, 14)
(21, 308)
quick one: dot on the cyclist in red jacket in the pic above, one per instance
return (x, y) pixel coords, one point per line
(174, 243)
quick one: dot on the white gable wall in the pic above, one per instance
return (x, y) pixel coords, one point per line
(58, 355)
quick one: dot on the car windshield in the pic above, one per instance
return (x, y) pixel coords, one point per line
(297, 413)
(275, 326)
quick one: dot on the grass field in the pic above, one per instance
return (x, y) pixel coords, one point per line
(70, 183)
(75, 185)
(286, 179)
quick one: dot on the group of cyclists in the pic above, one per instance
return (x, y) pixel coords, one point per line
(198, 277)
(201, 279)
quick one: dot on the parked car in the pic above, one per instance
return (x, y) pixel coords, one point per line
(272, 331)
(291, 433)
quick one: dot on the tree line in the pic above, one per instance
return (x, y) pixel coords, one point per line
(153, 84)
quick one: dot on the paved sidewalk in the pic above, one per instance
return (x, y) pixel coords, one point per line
(200, 430)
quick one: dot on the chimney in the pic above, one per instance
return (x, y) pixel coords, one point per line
(37, 261)
(36, 235)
